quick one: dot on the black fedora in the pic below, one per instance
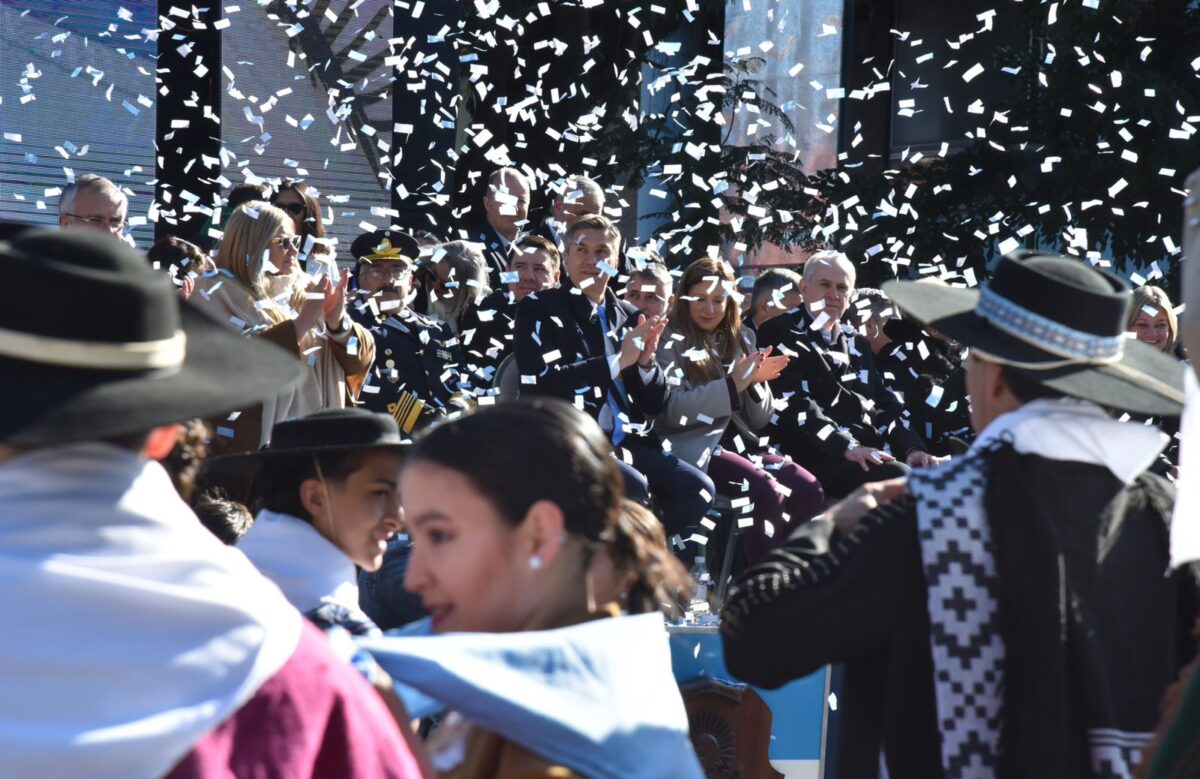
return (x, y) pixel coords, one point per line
(95, 344)
(1056, 321)
(332, 430)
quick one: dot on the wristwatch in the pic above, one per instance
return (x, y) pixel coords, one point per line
(342, 329)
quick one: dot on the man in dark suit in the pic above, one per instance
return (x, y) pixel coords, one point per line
(578, 197)
(840, 418)
(419, 372)
(506, 207)
(580, 343)
(487, 328)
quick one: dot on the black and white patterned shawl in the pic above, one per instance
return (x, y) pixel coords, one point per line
(958, 558)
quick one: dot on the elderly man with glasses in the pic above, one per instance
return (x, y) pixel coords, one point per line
(95, 203)
(419, 372)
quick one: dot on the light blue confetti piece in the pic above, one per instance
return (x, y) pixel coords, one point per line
(227, 432)
(130, 107)
(604, 266)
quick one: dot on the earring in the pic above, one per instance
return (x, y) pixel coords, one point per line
(535, 562)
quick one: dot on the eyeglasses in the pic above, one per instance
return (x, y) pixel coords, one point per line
(393, 272)
(284, 242)
(295, 209)
(116, 225)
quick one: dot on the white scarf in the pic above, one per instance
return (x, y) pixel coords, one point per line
(1185, 524)
(1077, 431)
(307, 567)
(129, 630)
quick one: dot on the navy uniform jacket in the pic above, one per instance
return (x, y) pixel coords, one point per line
(560, 352)
(836, 383)
(418, 367)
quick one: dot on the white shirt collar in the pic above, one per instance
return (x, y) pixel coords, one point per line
(1074, 430)
(303, 563)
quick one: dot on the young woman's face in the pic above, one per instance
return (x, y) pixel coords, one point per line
(365, 510)
(467, 564)
(707, 302)
(1154, 330)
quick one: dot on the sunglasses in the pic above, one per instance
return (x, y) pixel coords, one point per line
(295, 209)
(284, 242)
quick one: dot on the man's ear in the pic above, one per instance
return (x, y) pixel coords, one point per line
(161, 441)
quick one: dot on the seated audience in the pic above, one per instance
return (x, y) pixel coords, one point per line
(923, 370)
(504, 549)
(418, 375)
(487, 331)
(576, 196)
(719, 397)
(776, 291)
(93, 202)
(651, 289)
(581, 344)
(506, 214)
(299, 201)
(835, 416)
(146, 647)
(260, 289)
(458, 278)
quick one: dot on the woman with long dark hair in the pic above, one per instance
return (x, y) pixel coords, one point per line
(300, 202)
(720, 397)
(504, 538)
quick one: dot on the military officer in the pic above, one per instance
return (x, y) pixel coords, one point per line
(419, 372)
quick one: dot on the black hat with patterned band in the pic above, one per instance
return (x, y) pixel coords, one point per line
(1056, 321)
(95, 344)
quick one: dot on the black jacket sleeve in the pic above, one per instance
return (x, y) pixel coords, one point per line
(821, 598)
(797, 415)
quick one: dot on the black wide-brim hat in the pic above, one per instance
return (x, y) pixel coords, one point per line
(1056, 321)
(332, 430)
(95, 344)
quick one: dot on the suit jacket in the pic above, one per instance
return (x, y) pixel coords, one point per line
(560, 352)
(697, 416)
(496, 254)
(842, 385)
(547, 229)
(419, 368)
(487, 334)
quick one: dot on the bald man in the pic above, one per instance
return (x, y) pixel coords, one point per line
(841, 422)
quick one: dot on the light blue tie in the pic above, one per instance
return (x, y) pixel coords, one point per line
(618, 431)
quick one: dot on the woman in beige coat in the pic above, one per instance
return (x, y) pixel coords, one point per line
(260, 289)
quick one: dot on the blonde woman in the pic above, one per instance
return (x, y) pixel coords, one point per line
(1152, 318)
(259, 288)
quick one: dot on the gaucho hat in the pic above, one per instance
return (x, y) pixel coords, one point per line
(96, 344)
(331, 430)
(1057, 321)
